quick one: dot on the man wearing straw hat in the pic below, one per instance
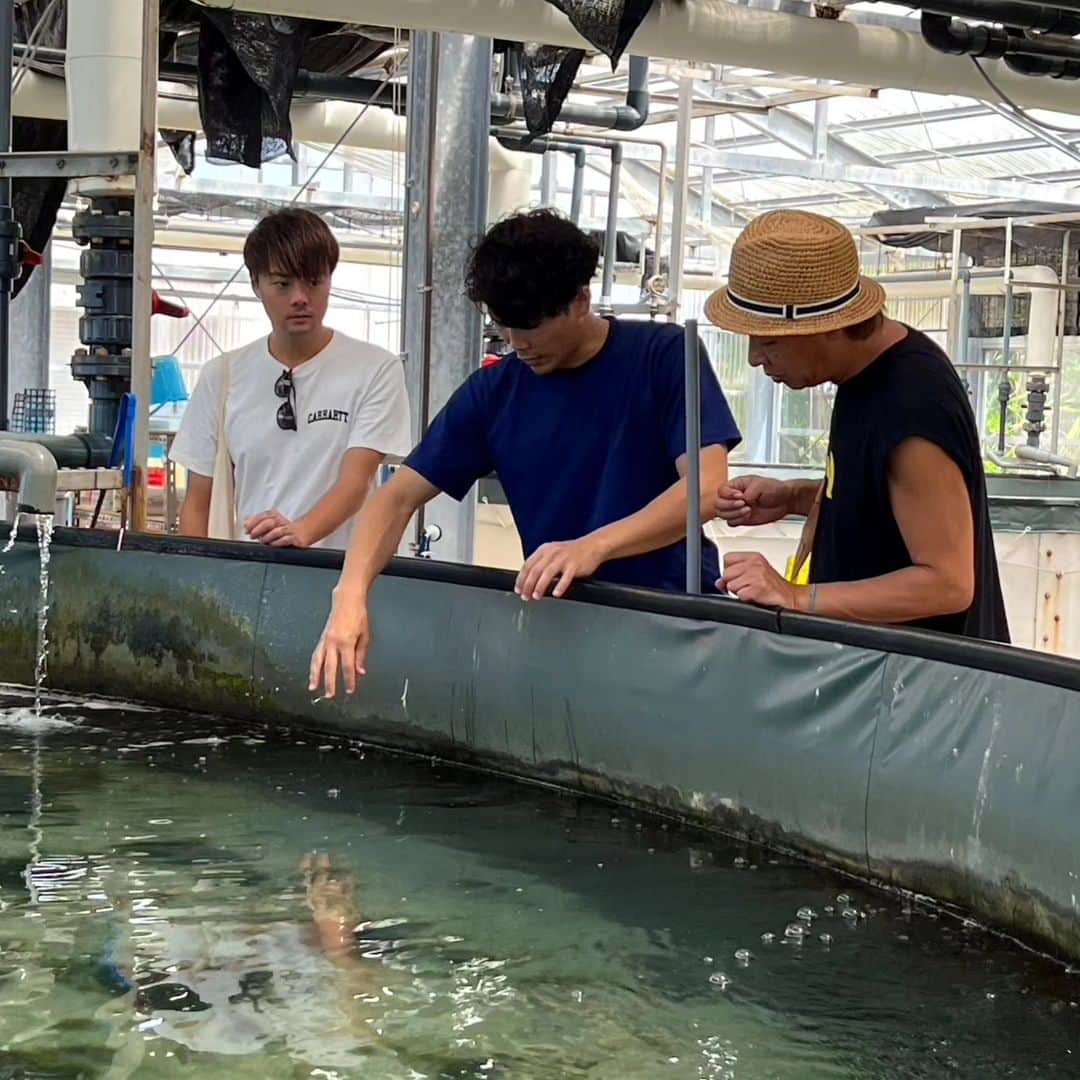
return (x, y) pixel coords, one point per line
(899, 530)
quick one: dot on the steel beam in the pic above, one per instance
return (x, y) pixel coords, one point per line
(805, 138)
(67, 164)
(876, 176)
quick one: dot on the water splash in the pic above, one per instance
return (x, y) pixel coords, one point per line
(14, 534)
(44, 533)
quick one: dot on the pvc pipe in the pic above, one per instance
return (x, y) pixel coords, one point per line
(578, 192)
(69, 451)
(36, 469)
(721, 33)
(103, 68)
(43, 97)
(1038, 454)
(693, 457)
(1042, 320)
(611, 232)
(680, 191)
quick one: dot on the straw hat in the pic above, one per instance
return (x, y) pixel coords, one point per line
(793, 273)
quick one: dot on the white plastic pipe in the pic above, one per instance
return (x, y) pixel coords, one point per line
(104, 59)
(319, 122)
(715, 32)
(1042, 319)
(1045, 457)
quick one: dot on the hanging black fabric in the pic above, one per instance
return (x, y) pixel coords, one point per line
(547, 74)
(247, 70)
(606, 24)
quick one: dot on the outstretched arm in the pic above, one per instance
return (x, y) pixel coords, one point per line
(379, 528)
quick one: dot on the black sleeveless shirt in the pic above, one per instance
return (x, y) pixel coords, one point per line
(910, 390)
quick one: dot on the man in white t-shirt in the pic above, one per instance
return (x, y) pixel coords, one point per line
(310, 414)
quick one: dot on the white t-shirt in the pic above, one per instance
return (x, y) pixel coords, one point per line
(352, 394)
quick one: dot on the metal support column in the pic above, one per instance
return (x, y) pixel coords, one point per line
(679, 195)
(611, 232)
(30, 329)
(707, 175)
(578, 192)
(7, 40)
(693, 457)
(447, 191)
(821, 129)
(143, 256)
(548, 175)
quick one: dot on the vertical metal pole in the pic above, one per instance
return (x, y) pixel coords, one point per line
(1059, 374)
(143, 257)
(548, 174)
(7, 39)
(682, 177)
(707, 174)
(952, 334)
(449, 121)
(611, 233)
(963, 321)
(578, 192)
(416, 258)
(661, 184)
(821, 129)
(693, 458)
(1006, 334)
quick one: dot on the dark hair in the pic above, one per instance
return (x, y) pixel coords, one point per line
(293, 241)
(865, 329)
(529, 267)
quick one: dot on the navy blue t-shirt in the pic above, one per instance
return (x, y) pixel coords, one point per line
(576, 450)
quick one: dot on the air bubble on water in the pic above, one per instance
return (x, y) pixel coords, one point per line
(796, 931)
(825, 939)
(767, 939)
(830, 910)
(991, 997)
(333, 793)
(739, 862)
(719, 979)
(707, 959)
(599, 866)
(805, 914)
(850, 914)
(843, 898)
(743, 956)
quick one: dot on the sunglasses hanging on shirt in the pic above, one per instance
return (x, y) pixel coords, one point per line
(286, 414)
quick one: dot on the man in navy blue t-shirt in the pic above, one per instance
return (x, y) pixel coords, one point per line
(584, 424)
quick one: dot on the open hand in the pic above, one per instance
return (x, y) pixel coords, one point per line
(343, 644)
(559, 564)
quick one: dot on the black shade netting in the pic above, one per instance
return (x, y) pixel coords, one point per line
(35, 203)
(247, 71)
(547, 74)
(608, 25)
